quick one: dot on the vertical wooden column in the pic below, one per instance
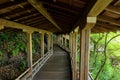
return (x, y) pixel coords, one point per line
(84, 47)
(62, 40)
(74, 50)
(29, 48)
(42, 44)
(70, 41)
(65, 40)
(49, 42)
(84, 56)
(52, 43)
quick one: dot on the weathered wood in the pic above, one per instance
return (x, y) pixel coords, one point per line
(38, 5)
(42, 44)
(29, 47)
(113, 9)
(108, 19)
(20, 26)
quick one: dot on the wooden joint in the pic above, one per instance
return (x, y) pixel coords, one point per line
(91, 19)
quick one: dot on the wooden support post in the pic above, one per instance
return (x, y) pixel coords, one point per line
(62, 40)
(84, 56)
(74, 56)
(29, 46)
(42, 44)
(65, 41)
(84, 48)
(49, 42)
(52, 43)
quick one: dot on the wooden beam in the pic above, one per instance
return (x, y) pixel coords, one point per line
(38, 5)
(113, 9)
(20, 26)
(98, 7)
(108, 19)
(93, 11)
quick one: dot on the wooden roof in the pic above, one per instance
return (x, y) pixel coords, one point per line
(61, 16)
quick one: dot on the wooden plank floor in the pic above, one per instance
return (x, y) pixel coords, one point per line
(56, 68)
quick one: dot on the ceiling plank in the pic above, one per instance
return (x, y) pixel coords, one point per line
(38, 5)
(113, 9)
(108, 19)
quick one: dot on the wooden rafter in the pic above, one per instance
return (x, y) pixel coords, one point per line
(108, 26)
(61, 8)
(33, 19)
(26, 17)
(113, 9)
(38, 5)
(41, 22)
(18, 10)
(12, 7)
(109, 20)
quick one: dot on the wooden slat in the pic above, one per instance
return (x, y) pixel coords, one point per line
(43, 11)
(19, 26)
(108, 19)
(113, 9)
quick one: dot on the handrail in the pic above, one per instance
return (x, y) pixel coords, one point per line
(36, 67)
(90, 76)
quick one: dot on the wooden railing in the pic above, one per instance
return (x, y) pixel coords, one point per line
(36, 67)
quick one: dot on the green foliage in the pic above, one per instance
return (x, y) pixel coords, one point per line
(23, 65)
(110, 70)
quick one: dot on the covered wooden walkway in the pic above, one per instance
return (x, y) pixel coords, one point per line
(56, 68)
